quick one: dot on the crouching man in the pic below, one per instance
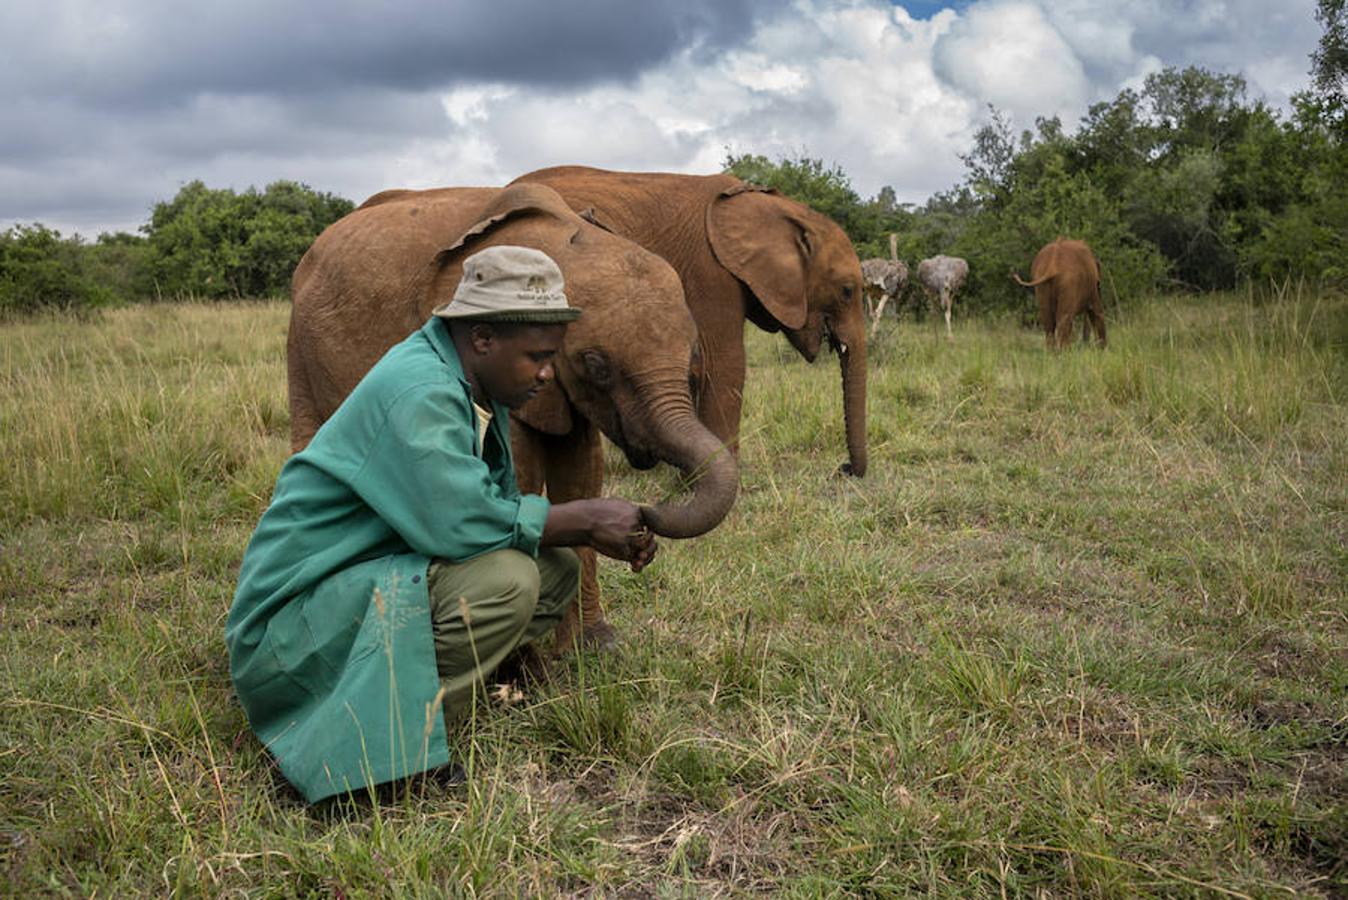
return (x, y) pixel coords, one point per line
(398, 564)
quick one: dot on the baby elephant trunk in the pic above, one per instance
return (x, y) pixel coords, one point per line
(708, 465)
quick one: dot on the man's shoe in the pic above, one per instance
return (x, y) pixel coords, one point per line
(450, 775)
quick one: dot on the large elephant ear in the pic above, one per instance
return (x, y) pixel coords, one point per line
(756, 236)
(550, 410)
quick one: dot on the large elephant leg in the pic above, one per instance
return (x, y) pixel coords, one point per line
(1048, 314)
(574, 471)
(1063, 333)
(722, 393)
(1096, 312)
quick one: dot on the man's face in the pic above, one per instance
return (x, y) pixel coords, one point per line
(515, 362)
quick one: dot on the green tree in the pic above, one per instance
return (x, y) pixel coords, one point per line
(825, 188)
(1193, 108)
(988, 164)
(1054, 203)
(1308, 236)
(1113, 143)
(1329, 62)
(39, 270)
(216, 243)
(120, 261)
(1185, 182)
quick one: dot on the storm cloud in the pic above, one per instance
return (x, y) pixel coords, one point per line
(109, 108)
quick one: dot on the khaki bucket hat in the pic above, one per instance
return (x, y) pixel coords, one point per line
(509, 284)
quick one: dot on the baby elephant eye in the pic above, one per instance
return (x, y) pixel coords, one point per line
(597, 368)
(846, 292)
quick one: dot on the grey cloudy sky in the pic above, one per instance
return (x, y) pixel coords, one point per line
(110, 107)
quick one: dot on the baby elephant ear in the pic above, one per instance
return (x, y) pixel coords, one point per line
(510, 203)
(589, 215)
(763, 242)
(549, 411)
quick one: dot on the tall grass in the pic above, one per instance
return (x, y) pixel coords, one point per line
(1080, 630)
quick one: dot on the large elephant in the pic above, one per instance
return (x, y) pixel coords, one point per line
(941, 276)
(1065, 276)
(374, 276)
(742, 252)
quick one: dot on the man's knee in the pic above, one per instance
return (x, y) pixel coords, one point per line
(510, 573)
(503, 578)
(562, 561)
(559, 573)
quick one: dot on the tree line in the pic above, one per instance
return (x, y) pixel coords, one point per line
(1185, 184)
(205, 243)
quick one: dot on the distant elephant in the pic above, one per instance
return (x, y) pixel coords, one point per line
(1065, 276)
(884, 280)
(373, 277)
(941, 276)
(742, 252)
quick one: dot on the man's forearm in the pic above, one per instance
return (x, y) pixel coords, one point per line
(567, 525)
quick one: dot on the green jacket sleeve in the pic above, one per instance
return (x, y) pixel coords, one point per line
(424, 479)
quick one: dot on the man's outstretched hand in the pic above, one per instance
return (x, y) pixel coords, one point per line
(611, 526)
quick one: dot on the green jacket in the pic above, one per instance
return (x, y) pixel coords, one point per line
(329, 634)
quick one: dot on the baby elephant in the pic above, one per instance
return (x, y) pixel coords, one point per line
(1065, 276)
(941, 276)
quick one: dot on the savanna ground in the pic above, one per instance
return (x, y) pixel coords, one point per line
(1082, 629)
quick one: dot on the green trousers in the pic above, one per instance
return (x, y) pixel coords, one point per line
(509, 598)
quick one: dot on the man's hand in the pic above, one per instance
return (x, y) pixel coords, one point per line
(618, 531)
(644, 543)
(611, 526)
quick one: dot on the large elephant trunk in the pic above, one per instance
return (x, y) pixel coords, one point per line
(851, 347)
(706, 462)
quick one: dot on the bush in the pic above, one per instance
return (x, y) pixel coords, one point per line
(216, 243)
(1058, 204)
(40, 270)
(120, 261)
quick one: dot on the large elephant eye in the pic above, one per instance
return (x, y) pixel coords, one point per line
(847, 293)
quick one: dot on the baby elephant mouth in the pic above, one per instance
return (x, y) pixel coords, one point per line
(640, 459)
